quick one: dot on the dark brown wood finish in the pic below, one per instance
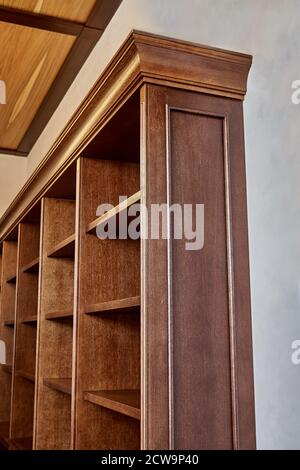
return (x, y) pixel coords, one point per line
(143, 58)
(108, 271)
(21, 426)
(8, 268)
(149, 349)
(52, 426)
(200, 320)
(34, 20)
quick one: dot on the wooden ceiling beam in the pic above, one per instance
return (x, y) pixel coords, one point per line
(76, 58)
(39, 21)
(87, 36)
(14, 153)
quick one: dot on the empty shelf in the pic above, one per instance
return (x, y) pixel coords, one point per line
(126, 402)
(32, 319)
(21, 443)
(64, 249)
(6, 368)
(103, 219)
(59, 314)
(4, 435)
(26, 375)
(10, 323)
(32, 267)
(61, 385)
(121, 305)
(12, 279)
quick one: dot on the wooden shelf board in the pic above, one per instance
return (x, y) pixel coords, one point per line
(32, 267)
(21, 443)
(4, 435)
(126, 402)
(121, 305)
(61, 385)
(59, 314)
(32, 319)
(10, 323)
(12, 279)
(64, 249)
(103, 219)
(26, 375)
(6, 368)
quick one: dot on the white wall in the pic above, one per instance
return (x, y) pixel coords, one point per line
(13, 173)
(268, 29)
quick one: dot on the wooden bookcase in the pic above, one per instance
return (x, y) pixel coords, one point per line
(129, 343)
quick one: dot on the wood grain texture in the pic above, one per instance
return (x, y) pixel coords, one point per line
(106, 345)
(196, 322)
(200, 304)
(63, 249)
(114, 306)
(52, 427)
(25, 375)
(21, 444)
(143, 58)
(8, 267)
(76, 10)
(113, 214)
(4, 435)
(63, 385)
(192, 315)
(21, 426)
(38, 56)
(127, 402)
(32, 266)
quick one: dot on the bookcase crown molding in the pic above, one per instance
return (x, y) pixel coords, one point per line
(124, 342)
(143, 58)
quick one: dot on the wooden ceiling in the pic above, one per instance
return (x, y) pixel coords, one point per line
(43, 45)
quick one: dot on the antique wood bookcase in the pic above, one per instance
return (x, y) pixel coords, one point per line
(133, 343)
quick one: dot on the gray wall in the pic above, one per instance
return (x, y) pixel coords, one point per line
(268, 29)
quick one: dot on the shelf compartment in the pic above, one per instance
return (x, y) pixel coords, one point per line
(64, 249)
(59, 314)
(26, 375)
(29, 320)
(117, 210)
(4, 435)
(61, 385)
(12, 279)
(21, 443)
(10, 323)
(130, 304)
(32, 267)
(6, 368)
(126, 402)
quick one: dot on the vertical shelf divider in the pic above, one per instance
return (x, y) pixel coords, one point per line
(52, 422)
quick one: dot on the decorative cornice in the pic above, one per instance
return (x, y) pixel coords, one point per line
(143, 58)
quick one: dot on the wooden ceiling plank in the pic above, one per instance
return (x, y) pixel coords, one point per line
(87, 37)
(73, 10)
(14, 153)
(30, 61)
(33, 20)
(102, 13)
(76, 57)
